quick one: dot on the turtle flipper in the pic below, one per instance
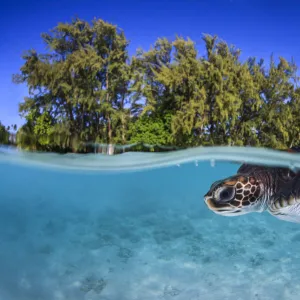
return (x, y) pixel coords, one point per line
(285, 204)
(286, 208)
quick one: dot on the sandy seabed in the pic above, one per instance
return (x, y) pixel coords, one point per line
(163, 255)
(140, 242)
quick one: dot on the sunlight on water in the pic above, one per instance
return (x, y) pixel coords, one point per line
(68, 233)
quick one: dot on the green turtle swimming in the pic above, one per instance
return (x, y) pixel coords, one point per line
(256, 189)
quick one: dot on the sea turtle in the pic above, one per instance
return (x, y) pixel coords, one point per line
(256, 189)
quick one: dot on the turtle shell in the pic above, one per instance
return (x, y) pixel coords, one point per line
(249, 168)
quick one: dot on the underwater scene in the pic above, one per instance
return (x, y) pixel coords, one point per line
(136, 226)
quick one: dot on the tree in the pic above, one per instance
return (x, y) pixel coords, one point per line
(4, 135)
(84, 89)
(276, 91)
(79, 87)
(151, 130)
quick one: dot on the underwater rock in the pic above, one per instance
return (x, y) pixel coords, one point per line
(207, 260)
(195, 251)
(257, 260)
(165, 256)
(125, 253)
(106, 238)
(90, 283)
(234, 249)
(171, 291)
(267, 243)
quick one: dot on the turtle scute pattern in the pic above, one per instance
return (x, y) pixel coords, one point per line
(247, 191)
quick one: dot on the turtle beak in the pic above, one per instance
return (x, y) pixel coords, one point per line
(207, 197)
(213, 206)
(208, 201)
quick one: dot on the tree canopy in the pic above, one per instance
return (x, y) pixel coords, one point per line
(5, 135)
(85, 88)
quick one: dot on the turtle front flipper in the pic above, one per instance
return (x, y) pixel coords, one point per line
(285, 204)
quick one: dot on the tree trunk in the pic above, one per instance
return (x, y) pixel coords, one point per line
(110, 149)
(123, 133)
(109, 128)
(123, 119)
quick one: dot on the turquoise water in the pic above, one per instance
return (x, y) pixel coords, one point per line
(135, 226)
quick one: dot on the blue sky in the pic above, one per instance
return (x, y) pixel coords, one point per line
(257, 27)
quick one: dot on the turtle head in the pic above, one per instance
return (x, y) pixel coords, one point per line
(235, 195)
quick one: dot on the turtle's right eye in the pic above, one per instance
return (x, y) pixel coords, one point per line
(226, 194)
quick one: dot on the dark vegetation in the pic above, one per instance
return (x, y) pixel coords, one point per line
(86, 89)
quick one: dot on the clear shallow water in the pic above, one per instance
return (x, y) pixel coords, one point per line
(68, 233)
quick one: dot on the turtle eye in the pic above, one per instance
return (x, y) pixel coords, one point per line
(226, 194)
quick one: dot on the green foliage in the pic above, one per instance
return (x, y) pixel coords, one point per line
(85, 89)
(7, 134)
(82, 83)
(43, 129)
(26, 139)
(4, 135)
(151, 130)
